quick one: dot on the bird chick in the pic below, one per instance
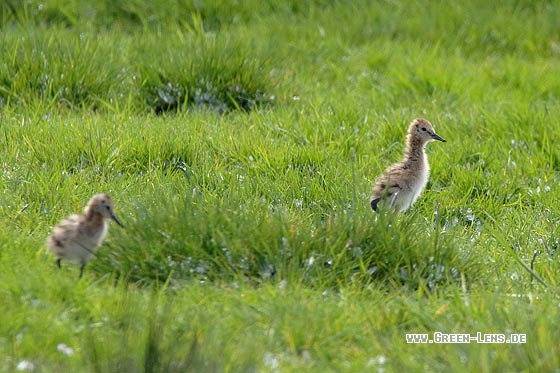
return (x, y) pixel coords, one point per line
(78, 237)
(402, 183)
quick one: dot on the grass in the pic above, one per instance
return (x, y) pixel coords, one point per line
(240, 141)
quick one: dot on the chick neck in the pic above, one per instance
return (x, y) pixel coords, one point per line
(93, 216)
(414, 150)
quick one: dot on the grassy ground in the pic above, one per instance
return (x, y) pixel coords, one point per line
(240, 141)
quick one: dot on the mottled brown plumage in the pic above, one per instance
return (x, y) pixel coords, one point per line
(78, 237)
(402, 183)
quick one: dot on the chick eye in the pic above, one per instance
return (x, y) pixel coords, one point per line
(107, 207)
(424, 129)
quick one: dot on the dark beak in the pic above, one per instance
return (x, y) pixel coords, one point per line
(435, 136)
(116, 220)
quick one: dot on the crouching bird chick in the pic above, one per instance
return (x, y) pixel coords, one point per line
(401, 184)
(78, 237)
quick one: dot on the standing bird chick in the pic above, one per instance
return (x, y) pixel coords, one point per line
(78, 237)
(402, 183)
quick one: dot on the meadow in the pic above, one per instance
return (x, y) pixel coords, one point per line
(240, 141)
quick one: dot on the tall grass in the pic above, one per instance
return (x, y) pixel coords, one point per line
(239, 141)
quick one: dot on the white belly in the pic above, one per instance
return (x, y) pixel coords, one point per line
(410, 192)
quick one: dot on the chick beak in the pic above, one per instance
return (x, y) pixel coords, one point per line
(435, 136)
(114, 218)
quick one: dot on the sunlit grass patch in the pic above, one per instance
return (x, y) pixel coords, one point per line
(190, 237)
(205, 71)
(59, 70)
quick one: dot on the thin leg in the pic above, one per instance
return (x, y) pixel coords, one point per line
(58, 262)
(82, 270)
(393, 199)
